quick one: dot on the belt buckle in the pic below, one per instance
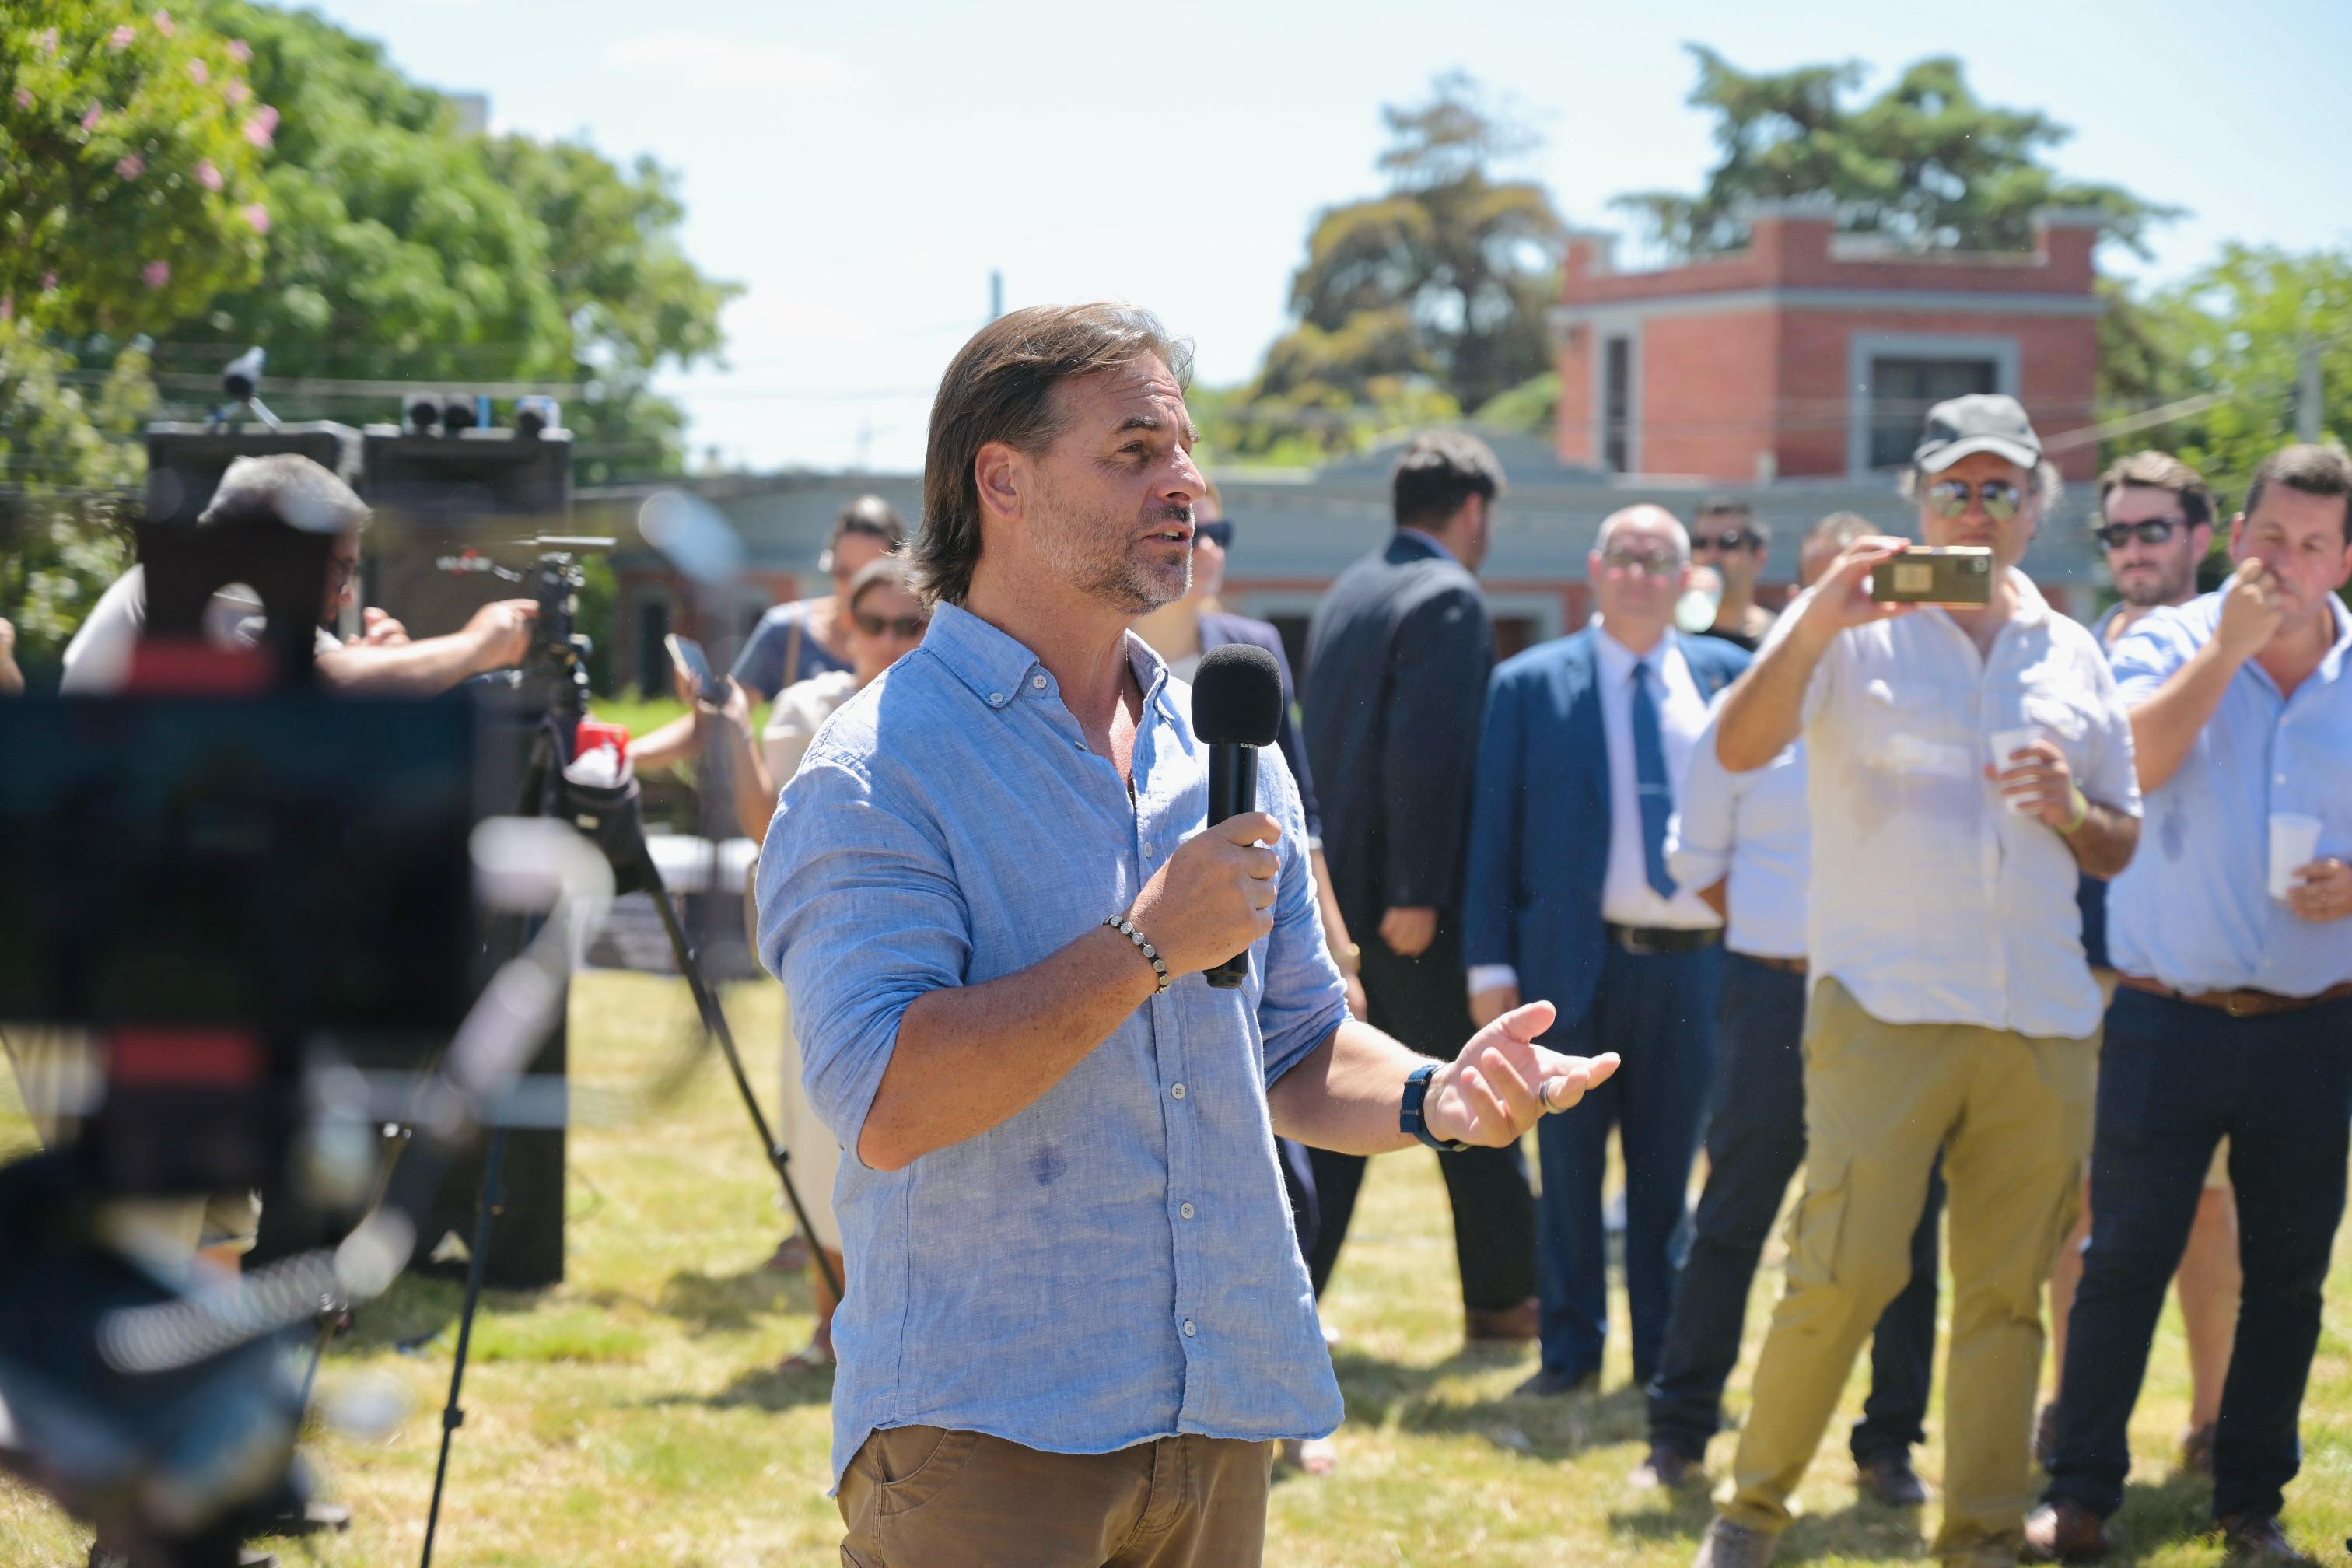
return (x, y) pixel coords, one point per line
(2236, 1005)
(1635, 942)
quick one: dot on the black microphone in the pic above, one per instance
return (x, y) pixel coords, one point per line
(1237, 708)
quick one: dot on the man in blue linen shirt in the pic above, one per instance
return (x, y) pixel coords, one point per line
(1075, 1314)
(2234, 1012)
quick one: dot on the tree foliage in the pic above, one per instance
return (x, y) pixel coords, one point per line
(1925, 162)
(1416, 303)
(129, 159)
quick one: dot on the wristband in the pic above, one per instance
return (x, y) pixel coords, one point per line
(1125, 928)
(2080, 812)
(1416, 1090)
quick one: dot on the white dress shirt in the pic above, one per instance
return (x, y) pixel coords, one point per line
(1753, 829)
(1626, 895)
(1932, 901)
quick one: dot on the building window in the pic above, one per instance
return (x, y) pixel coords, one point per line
(1617, 404)
(1902, 390)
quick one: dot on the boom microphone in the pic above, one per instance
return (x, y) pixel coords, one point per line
(1237, 708)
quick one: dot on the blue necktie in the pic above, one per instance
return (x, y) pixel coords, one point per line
(1656, 797)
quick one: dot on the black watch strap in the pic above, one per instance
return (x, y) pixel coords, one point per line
(1416, 1090)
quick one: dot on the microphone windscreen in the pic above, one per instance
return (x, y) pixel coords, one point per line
(1237, 696)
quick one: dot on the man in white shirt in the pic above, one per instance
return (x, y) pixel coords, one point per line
(1568, 895)
(1952, 1009)
(1744, 841)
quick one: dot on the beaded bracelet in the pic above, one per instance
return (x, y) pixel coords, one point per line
(1120, 924)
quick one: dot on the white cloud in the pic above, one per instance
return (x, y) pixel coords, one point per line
(714, 62)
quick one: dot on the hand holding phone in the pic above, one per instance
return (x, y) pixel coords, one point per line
(688, 654)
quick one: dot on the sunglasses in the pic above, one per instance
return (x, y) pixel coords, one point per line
(1648, 564)
(1999, 497)
(1729, 539)
(1219, 534)
(896, 626)
(2153, 531)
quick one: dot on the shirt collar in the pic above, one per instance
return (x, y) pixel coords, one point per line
(1617, 660)
(2331, 663)
(998, 666)
(1431, 540)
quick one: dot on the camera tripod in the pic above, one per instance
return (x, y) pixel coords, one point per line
(613, 819)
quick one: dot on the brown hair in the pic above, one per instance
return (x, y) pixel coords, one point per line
(1441, 469)
(2314, 471)
(1839, 529)
(1000, 387)
(2160, 471)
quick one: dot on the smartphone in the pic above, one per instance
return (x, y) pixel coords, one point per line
(1935, 574)
(689, 656)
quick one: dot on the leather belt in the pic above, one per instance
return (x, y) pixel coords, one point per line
(1785, 965)
(1663, 938)
(2243, 1003)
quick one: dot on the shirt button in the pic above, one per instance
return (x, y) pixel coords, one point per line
(1186, 1211)
(996, 699)
(1188, 1328)
(1177, 1092)
(1037, 682)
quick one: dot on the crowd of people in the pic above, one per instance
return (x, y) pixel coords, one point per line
(1981, 926)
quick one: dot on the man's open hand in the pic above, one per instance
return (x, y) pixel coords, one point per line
(1503, 1082)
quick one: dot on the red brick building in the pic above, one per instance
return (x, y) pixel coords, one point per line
(1815, 354)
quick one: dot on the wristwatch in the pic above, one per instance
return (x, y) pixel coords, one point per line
(1416, 1089)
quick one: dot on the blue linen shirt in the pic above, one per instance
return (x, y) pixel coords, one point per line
(1115, 1262)
(2193, 909)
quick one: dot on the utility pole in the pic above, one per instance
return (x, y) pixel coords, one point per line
(2306, 398)
(995, 293)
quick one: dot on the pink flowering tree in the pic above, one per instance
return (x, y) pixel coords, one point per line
(129, 166)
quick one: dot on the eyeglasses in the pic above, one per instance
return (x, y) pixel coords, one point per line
(1219, 534)
(1729, 539)
(1642, 561)
(341, 569)
(896, 626)
(1999, 497)
(2151, 530)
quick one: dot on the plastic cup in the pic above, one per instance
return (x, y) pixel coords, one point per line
(2294, 844)
(2005, 744)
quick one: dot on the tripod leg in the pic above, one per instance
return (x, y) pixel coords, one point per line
(714, 1019)
(452, 1416)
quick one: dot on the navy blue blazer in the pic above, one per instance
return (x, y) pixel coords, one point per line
(1539, 816)
(1221, 628)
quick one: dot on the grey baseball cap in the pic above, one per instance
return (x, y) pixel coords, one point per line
(1980, 422)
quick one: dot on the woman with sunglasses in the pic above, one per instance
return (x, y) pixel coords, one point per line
(885, 620)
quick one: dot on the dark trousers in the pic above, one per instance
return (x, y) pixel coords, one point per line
(1755, 1144)
(1421, 1001)
(1656, 1011)
(2173, 1078)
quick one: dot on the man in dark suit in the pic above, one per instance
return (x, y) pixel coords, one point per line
(1569, 898)
(1396, 659)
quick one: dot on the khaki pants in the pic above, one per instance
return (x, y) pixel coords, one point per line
(922, 1497)
(2012, 1115)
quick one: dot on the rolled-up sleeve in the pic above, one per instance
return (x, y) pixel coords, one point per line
(859, 914)
(1304, 997)
(1699, 836)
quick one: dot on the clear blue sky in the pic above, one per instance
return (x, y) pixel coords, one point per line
(862, 168)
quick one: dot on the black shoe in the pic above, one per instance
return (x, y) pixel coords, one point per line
(2255, 1541)
(1890, 1480)
(1552, 1382)
(1729, 1545)
(2063, 1531)
(1667, 1467)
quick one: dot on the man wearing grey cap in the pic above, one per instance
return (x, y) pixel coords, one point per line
(1951, 1009)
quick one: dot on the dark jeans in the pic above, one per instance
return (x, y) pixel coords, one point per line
(1656, 1011)
(2173, 1078)
(1422, 1001)
(1755, 1144)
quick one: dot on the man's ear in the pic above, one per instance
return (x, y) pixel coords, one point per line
(1001, 476)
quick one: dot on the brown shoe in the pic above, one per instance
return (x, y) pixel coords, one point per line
(2255, 1541)
(2063, 1532)
(1890, 1480)
(1501, 1325)
(1667, 1467)
(1729, 1545)
(2197, 1450)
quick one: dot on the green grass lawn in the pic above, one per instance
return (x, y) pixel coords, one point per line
(632, 1416)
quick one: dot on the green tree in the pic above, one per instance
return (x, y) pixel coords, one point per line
(129, 181)
(1417, 303)
(1925, 162)
(2236, 332)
